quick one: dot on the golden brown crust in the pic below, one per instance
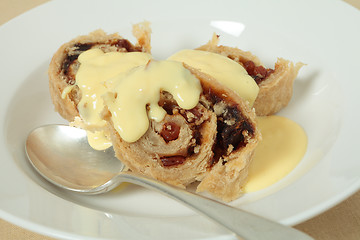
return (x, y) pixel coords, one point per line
(276, 90)
(236, 54)
(59, 78)
(142, 32)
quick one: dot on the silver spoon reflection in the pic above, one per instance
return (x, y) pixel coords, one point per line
(62, 155)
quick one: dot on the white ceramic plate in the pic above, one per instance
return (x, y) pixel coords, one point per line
(325, 103)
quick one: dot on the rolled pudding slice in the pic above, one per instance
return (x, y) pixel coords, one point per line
(64, 90)
(178, 125)
(275, 85)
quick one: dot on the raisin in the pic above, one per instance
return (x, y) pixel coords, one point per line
(82, 47)
(170, 131)
(124, 43)
(258, 73)
(172, 161)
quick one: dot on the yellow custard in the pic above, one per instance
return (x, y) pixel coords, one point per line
(223, 69)
(97, 67)
(98, 140)
(282, 148)
(139, 90)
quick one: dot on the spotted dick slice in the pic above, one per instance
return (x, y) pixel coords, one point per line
(211, 144)
(275, 85)
(64, 64)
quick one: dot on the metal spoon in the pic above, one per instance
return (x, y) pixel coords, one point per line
(62, 155)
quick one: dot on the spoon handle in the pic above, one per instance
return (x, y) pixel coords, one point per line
(245, 225)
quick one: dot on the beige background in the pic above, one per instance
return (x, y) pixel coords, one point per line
(341, 222)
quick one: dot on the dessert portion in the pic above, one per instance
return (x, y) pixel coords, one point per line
(64, 65)
(187, 119)
(275, 85)
(211, 140)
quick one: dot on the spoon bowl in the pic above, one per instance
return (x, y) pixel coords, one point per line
(62, 155)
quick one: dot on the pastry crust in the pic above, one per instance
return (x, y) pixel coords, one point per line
(64, 64)
(214, 148)
(276, 90)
